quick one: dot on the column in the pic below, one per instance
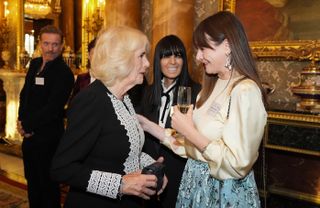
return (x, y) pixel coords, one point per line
(173, 17)
(1, 9)
(12, 84)
(67, 26)
(124, 12)
(78, 25)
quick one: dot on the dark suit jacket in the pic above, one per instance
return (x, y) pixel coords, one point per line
(41, 108)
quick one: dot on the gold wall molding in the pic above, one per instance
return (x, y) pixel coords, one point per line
(294, 194)
(227, 5)
(290, 50)
(290, 149)
(294, 117)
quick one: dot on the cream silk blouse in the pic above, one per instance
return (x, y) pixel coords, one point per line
(235, 140)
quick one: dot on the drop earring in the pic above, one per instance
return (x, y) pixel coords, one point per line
(228, 62)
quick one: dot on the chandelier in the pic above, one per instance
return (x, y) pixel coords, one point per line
(37, 8)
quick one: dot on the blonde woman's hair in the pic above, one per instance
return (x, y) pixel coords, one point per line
(113, 54)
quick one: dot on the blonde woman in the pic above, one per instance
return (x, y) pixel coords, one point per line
(100, 154)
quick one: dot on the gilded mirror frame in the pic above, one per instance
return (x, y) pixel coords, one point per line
(289, 50)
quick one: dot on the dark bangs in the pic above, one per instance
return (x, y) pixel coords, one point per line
(172, 50)
(171, 45)
(199, 38)
(208, 31)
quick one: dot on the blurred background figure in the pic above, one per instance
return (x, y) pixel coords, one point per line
(84, 79)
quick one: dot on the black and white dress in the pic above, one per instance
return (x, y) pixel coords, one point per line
(102, 142)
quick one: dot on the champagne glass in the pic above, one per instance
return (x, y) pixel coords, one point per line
(184, 98)
(183, 103)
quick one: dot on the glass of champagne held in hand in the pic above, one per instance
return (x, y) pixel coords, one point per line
(184, 98)
(183, 103)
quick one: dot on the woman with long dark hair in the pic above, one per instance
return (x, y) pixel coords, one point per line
(170, 70)
(223, 133)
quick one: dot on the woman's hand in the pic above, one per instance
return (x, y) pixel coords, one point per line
(182, 123)
(140, 185)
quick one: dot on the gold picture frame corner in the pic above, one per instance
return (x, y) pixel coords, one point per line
(287, 49)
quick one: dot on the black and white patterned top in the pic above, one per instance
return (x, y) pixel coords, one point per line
(103, 141)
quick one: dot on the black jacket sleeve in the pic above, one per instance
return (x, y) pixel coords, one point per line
(83, 129)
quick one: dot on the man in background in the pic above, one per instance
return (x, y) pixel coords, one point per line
(47, 88)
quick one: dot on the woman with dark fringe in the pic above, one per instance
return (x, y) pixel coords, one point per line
(170, 71)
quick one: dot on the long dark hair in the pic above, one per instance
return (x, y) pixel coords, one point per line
(167, 46)
(218, 27)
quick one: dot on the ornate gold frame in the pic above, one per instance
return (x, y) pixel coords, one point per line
(290, 50)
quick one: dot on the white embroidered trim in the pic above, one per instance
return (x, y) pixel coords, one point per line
(104, 183)
(146, 160)
(134, 131)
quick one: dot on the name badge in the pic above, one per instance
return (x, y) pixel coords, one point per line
(39, 81)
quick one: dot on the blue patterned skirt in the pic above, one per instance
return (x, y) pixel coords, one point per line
(198, 189)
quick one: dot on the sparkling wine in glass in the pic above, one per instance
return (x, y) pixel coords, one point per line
(184, 98)
(183, 103)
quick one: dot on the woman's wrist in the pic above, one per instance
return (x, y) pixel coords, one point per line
(120, 191)
(149, 126)
(155, 130)
(204, 148)
(199, 141)
(168, 132)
